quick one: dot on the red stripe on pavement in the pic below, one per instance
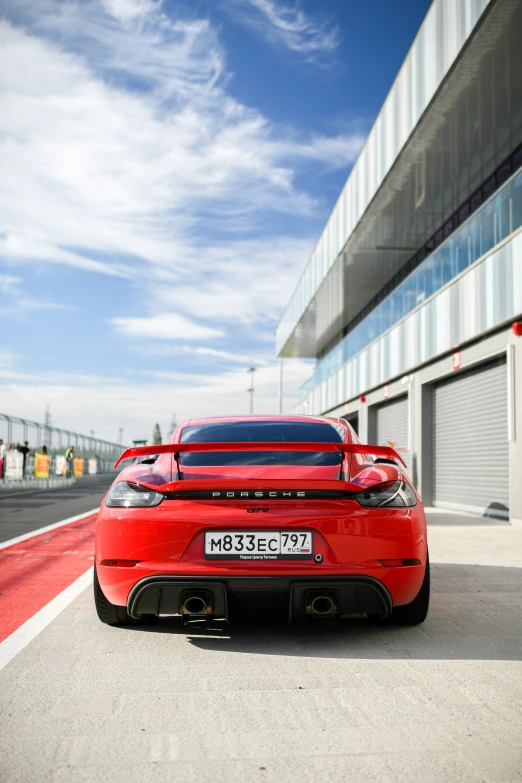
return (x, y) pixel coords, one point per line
(34, 571)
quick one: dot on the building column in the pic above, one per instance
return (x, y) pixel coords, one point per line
(514, 368)
(424, 446)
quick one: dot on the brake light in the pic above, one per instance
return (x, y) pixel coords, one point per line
(390, 494)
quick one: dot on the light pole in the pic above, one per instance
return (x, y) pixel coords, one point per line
(251, 371)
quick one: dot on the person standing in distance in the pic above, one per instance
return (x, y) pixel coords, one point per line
(69, 456)
(25, 451)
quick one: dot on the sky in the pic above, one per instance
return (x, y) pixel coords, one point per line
(166, 169)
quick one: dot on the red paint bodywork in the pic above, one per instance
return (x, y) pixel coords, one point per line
(167, 540)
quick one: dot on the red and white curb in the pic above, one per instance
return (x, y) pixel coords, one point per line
(47, 528)
(41, 573)
(36, 624)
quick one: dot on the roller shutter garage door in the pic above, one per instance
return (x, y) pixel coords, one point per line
(353, 419)
(471, 453)
(392, 426)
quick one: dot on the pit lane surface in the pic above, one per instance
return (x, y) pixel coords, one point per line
(24, 512)
(43, 559)
(328, 701)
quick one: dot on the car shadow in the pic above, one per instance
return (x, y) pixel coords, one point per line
(475, 614)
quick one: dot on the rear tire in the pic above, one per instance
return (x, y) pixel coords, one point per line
(415, 612)
(111, 614)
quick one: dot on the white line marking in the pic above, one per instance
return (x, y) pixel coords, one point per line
(37, 532)
(32, 627)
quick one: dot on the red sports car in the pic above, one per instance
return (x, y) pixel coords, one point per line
(239, 514)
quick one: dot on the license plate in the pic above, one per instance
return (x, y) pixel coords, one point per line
(246, 545)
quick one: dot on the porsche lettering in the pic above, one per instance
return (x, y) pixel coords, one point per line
(253, 494)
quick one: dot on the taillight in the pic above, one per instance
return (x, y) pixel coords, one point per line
(391, 494)
(128, 495)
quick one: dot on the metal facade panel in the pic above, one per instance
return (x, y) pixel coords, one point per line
(468, 320)
(411, 328)
(397, 338)
(471, 453)
(517, 282)
(441, 313)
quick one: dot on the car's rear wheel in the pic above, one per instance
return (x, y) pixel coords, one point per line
(415, 612)
(111, 614)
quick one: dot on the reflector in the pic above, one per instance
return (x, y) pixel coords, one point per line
(120, 563)
(412, 561)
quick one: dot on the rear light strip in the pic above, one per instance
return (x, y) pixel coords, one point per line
(261, 494)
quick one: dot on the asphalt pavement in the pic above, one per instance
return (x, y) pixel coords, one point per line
(320, 700)
(23, 512)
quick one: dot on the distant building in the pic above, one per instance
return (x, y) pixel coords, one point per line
(410, 300)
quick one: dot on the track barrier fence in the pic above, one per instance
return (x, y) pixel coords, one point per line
(91, 455)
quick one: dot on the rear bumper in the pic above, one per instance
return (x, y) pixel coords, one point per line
(352, 595)
(402, 584)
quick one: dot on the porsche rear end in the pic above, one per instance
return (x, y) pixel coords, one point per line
(210, 546)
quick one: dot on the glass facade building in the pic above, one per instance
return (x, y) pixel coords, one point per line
(493, 222)
(411, 303)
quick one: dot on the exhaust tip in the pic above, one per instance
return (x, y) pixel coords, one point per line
(322, 604)
(195, 604)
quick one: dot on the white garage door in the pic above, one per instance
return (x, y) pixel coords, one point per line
(392, 426)
(471, 441)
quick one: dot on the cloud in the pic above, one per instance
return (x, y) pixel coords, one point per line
(15, 302)
(8, 360)
(124, 154)
(192, 351)
(18, 247)
(288, 25)
(82, 403)
(38, 304)
(247, 282)
(9, 284)
(167, 326)
(133, 170)
(126, 10)
(330, 150)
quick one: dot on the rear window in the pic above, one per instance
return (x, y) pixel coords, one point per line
(259, 431)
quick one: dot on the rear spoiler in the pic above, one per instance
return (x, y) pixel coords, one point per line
(385, 452)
